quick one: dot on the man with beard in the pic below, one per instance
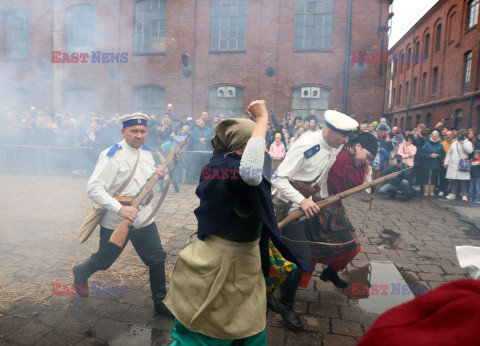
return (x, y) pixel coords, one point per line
(113, 169)
(306, 164)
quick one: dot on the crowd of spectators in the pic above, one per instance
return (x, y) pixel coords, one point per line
(42, 142)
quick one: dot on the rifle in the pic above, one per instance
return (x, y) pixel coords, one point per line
(334, 199)
(119, 235)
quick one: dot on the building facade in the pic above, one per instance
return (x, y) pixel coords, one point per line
(84, 56)
(433, 69)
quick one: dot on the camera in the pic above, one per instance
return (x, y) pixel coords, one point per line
(461, 138)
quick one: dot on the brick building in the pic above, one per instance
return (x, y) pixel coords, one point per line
(434, 69)
(214, 55)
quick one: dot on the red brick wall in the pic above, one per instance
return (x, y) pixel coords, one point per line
(270, 30)
(449, 59)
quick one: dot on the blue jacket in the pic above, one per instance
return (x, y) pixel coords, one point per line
(218, 198)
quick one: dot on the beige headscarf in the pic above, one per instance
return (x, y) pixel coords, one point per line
(232, 133)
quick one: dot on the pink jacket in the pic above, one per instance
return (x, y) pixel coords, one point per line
(277, 151)
(408, 153)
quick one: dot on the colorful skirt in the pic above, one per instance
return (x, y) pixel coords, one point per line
(331, 226)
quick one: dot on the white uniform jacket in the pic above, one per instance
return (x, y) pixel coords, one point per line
(109, 175)
(296, 166)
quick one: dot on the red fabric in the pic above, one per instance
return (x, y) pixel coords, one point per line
(343, 175)
(447, 315)
(338, 262)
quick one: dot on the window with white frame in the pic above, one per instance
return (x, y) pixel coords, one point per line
(472, 13)
(467, 71)
(228, 25)
(314, 24)
(80, 28)
(17, 34)
(225, 100)
(150, 26)
(306, 98)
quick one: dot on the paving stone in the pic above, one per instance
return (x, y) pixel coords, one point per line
(426, 268)
(323, 310)
(60, 336)
(303, 338)
(355, 314)
(338, 340)
(275, 335)
(29, 333)
(431, 277)
(307, 296)
(346, 328)
(315, 324)
(333, 298)
(453, 270)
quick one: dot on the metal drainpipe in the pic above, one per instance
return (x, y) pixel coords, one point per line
(347, 57)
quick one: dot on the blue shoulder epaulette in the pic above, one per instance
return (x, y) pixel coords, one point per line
(146, 147)
(312, 151)
(114, 149)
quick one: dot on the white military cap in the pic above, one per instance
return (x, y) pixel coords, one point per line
(340, 122)
(134, 119)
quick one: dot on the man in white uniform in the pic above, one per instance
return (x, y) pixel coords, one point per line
(308, 160)
(113, 168)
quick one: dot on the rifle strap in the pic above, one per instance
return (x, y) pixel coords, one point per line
(129, 179)
(162, 197)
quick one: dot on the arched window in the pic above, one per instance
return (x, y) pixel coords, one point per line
(402, 119)
(395, 122)
(424, 85)
(409, 57)
(407, 95)
(426, 46)
(149, 99)
(416, 57)
(150, 26)
(306, 98)
(438, 36)
(399, 100)
(434, 80)
(80, 28)
(80, 101)
(417, 119)
(414, 89)
(409, 122)
(393, 100)
(401, 62)
(428, 121)
(458, 118)
(452, 27)
(17, 34)
(226, 100)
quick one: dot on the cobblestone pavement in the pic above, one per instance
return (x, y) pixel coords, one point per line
(38, 247)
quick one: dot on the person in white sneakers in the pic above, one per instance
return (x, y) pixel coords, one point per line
(459, 150)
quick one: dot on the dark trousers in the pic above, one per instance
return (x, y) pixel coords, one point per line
(301, 249)
(442, 172)
(148, 246)
(431, 177)
(389, 189)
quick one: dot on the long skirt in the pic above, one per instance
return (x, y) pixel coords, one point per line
(218, 289)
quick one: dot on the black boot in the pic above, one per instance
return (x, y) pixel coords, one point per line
(159, 291)
(81, 273)
(329, 274)
(285, 306)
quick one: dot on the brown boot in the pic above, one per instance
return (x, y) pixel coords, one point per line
(425, 190)
(432, 190)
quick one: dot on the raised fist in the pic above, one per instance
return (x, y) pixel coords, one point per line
(258, 110)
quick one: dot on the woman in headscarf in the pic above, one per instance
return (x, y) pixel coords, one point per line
(217, 290)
